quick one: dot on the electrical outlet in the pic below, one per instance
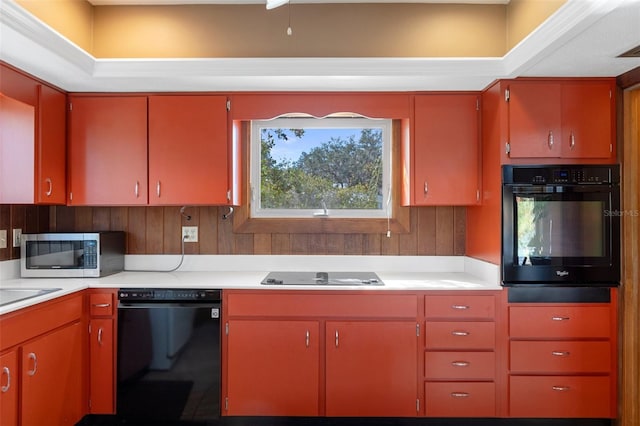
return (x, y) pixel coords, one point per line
(17, 236)
(3, 238)
(190, 234)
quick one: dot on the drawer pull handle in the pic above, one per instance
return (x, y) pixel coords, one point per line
(7, 372)
(32, 356)
(460, 394)
(560, 388)
(101, 305)
(560, 318)
(460, 307)
(460, 363)
(560, 353)
(460, 333)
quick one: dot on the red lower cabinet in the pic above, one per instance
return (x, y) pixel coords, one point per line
(560, 396)
(563, 359)
(51, 382)
(460, 399)
(43, 352)
(9, 389)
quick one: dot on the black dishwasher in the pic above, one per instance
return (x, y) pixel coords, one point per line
(168, 360)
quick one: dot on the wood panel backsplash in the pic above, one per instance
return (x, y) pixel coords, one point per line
(28, 218)
(157, 230)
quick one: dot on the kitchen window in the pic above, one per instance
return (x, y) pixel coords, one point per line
(335, 167)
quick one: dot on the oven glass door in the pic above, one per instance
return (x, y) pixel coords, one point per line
(552, 232)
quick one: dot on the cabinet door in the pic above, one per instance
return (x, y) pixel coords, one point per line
(16, 151)
(52, 384)
(9, 389)
(51, 147)
(371, 368)
(108, 150)
(446, 153)
(588, 120)
(534, 119)
(101, 378)
(188, 155)
(273, 368)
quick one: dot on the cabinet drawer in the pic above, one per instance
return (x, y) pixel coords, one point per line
(460, 399)
(560, 396)
(560, 357)
(101, 304)
(459, 306)
(559, 321)
(460, 365)
(304, 304)
(460, 335)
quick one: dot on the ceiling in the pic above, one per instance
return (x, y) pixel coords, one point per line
(583, 39)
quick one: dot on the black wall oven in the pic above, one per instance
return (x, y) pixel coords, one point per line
(561, 225)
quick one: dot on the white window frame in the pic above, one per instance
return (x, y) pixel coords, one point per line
(296, 122)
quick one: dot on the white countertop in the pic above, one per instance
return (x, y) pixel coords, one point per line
(246, 272)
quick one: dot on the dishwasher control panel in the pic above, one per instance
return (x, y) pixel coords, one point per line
(169, 295)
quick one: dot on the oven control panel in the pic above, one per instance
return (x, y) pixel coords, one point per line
(561, 175)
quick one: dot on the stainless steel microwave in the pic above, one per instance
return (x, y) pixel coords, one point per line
(72, 255)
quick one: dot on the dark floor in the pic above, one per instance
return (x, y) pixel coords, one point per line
(351, 421)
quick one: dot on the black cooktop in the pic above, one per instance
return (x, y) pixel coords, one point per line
(323, 278)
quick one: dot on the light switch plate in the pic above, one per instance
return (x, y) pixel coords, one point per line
(17, 237)
(190, 234)
(3, 238)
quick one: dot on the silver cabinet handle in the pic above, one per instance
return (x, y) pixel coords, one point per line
(32, 356)
(6, 372)
(306, 339)
(337, 340)
(426, 187)
(560, 388)
(460, 363)
(560, 353)
(460, 307)
(550, 139)
(460, 333)
(136, 190)
(573, 141)
(50, 185)
(460, 394)
(158, 189)
(101, 305)
(100, 336)
(560, 318)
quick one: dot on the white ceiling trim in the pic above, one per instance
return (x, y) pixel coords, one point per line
(236, 2)
(38, 49)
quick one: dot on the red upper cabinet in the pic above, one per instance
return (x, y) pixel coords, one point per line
(51, 154)
(108, 150)
(444, 160)
(33, 143)
(534, 119)
(188, 150)
(561, 119)
(588, 120)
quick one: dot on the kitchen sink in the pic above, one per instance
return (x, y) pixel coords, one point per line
(323, 278)
(12, 295)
